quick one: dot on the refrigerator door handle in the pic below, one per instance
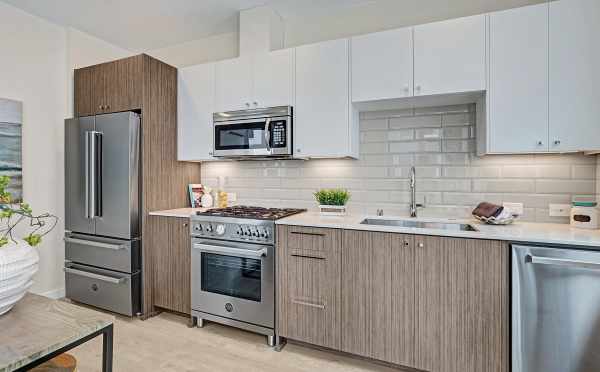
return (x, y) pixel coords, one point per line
(98, 174)
(89, 212)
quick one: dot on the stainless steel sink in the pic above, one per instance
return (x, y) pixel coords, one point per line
(454, 226)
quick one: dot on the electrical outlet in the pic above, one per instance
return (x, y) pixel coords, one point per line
(559, 210)
(514, 208)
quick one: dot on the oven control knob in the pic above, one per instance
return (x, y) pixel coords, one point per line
(255, 232)
(239, 230)
(197, 227)
(220, 229)
(245, 231)
(208, 228)
(264, 233)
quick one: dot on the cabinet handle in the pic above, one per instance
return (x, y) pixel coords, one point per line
(255, 103)
(185, 225)
(557, 142)
(298, 150)
(420, 245)
(310, 304)
(247, 104)
(307, 256)
(306, 233)
(418, 88)
(406, 244)
(101, 107)
(540, 143)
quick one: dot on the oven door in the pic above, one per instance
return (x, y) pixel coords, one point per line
(270, 136)
(234, 280)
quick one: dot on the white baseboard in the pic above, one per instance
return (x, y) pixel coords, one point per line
(54, 294)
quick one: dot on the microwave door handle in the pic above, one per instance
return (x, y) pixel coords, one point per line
(268, 134)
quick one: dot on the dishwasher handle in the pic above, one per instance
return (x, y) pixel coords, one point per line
(537, 260)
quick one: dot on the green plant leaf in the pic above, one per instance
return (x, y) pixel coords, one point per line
(33, 239)
(332, 196)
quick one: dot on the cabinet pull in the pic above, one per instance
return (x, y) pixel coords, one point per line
(420, 245)
(306, 233)
(307, 256)
(309, 304)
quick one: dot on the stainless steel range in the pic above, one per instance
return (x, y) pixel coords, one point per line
(233, 267)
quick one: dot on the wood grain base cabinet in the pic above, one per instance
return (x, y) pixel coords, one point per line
(309, 281)
(171, 271)
(461, 305)
(428, 303)
(378, 296)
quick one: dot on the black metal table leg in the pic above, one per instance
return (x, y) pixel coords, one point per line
(107, 349)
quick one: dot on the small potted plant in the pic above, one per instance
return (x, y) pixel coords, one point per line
(18, 255)
(332, 202)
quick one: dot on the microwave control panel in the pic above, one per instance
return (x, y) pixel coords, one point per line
(278, 134)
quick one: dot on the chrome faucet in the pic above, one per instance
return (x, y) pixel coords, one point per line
(413, 194)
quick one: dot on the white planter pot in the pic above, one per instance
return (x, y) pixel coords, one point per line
(18, 265)
(332, 210)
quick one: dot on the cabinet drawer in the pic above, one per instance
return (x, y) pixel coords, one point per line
(308, 277)
(311, 242)
(113, 254)
(105, 289)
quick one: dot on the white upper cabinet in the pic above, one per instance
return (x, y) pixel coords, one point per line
(517, 95)
(322, 117)
(274, 79)
(449, 56)
(574, 75)
(260, 80)
(382, 65)
(195, 106)
(234, 84)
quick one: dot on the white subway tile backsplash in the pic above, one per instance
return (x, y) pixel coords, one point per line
(451, 179)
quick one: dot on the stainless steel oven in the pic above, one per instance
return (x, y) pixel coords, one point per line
(234, 280)
(263, 132)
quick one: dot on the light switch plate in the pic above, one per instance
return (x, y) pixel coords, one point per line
(514, 208)
(559, 210)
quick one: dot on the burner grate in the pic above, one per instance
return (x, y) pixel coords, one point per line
(259, 213)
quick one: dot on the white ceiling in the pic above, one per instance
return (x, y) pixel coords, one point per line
(150, 24)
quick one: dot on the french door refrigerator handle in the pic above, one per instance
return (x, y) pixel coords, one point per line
(562, 262)
(98, 173)
(89, 197)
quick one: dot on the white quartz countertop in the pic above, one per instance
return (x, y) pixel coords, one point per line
(523, 232)
(179, 212)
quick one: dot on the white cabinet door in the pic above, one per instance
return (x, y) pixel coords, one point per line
(322, 100)
(382, 65)
(574, 75)
(234, 84)
(274, 79)
(195, 106)
(518, 80)
(450, 56)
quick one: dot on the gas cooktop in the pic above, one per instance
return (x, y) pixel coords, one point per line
(256, 213)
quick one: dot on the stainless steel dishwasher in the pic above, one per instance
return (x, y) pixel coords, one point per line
(555, 309)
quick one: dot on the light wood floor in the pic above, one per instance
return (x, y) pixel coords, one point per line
(165, 343)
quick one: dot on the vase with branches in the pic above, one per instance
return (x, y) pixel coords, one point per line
(13, 215)
(21, 231)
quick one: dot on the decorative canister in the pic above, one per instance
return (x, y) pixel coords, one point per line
(18, 265)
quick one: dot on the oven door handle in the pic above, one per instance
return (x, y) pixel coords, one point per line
(231, 251)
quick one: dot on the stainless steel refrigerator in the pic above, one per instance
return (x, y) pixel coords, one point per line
(102, 204)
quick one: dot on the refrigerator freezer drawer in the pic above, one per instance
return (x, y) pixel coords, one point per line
(113, 254)
(105, 289)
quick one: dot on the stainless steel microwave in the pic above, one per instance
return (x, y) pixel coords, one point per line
(265, 132)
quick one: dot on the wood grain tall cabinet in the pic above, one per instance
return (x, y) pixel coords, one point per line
(149, 87)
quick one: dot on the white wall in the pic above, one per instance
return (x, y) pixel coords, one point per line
(33, 70)
(376, 16)
(36, 63)
(212, 48)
